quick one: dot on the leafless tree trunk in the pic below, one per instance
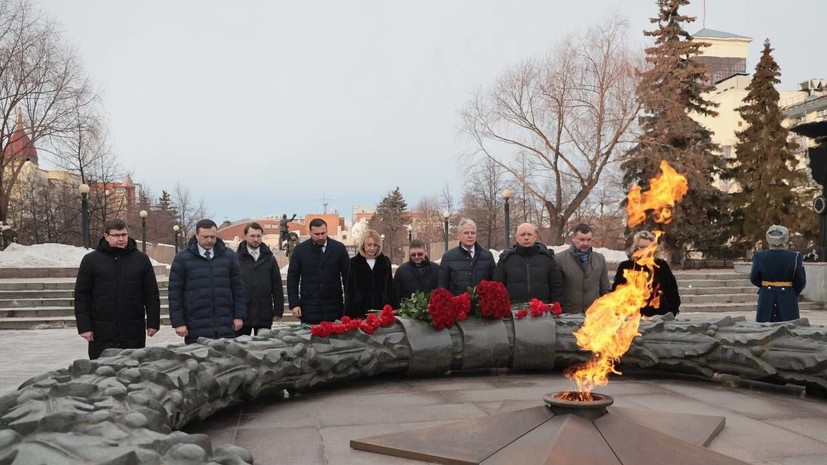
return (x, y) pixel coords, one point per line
(566, 115)
(428, 220)
(483, 203)
(189, 212)
(41, 78)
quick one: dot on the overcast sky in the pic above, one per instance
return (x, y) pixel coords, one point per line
(267, 107)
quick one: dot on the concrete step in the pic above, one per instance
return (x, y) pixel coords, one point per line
(37, 293)
(719, 298)
(718, 290)
(32, 301)
(29, 294)
(51, 284)
(742, 307)
(687, 283)
(711, 274)
(56, 312)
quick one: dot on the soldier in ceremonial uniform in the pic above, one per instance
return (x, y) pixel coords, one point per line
(779, 275)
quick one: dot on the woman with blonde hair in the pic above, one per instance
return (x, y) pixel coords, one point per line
(369, 281)
(664, 285)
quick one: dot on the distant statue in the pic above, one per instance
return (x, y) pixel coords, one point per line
(358, 231)
(292, 242)
(7, 235)
(283, 229)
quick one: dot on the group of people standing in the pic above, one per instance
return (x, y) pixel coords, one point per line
(529, 270)
(215, 292)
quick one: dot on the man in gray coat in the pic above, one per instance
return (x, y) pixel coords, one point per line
(585, 275)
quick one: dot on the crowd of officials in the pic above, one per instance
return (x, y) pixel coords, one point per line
(215, 292)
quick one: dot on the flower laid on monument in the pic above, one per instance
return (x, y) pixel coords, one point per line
(537, 308)
(368, 326)
(492, 299)
(489, 299)
(445, 309)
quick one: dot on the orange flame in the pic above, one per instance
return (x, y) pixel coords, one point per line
(612, 321)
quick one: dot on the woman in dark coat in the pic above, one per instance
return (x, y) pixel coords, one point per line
(779, 275)
(664, 285)
(369, 281)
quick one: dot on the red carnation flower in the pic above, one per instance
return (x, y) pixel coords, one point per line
(386, 316)
(556, 308)
(367, 328)
(521, 313)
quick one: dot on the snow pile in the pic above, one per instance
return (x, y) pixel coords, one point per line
(43, 256)
(612, 256)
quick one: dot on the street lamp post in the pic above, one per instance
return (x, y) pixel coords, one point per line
(507, 195)
(84, 212)
(410, 236)
(176, 228)
(106, 203)
(446, 214)
(143, 214)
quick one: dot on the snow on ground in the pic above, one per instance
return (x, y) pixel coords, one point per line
(43, 256)
(612, 256)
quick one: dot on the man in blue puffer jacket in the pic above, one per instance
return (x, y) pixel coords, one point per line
(206, 292)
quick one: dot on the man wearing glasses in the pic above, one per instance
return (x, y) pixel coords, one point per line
(416, 275)
(116, 295)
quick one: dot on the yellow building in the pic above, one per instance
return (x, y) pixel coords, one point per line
(726, 57)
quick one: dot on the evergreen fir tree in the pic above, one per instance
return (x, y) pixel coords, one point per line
(765, 166)
(391, 219)
(669, 90)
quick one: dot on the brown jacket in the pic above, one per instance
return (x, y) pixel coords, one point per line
(582, 287)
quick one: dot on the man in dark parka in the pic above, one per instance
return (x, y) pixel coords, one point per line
(528, 270)
(316, 275)
(779, 275)
(417, 274)
(262, 281)
(206, 293)
(467, 264)
(117, 303)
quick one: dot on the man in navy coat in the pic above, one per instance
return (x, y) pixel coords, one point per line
(206, 291)
(318, 268)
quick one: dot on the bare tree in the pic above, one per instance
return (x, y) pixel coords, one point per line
(190, 211)
(428, 220)
(446, 199)
(45, 210)
(482, 201)
(41, 78)
(554, 123)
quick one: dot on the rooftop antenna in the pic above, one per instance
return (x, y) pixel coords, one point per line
(325, 201)
(704, 16)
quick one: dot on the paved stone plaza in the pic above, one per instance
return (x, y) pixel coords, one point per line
(765, 425)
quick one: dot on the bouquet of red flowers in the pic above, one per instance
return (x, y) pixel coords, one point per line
(445, 309)
(492, 299)
(346, 324)
(537, 308)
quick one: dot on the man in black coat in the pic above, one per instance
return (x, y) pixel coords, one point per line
(528, 269)
(117, 303)
(262, 281)
(417, 274)
(318, 268)
(467, 264)
(206, 293)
